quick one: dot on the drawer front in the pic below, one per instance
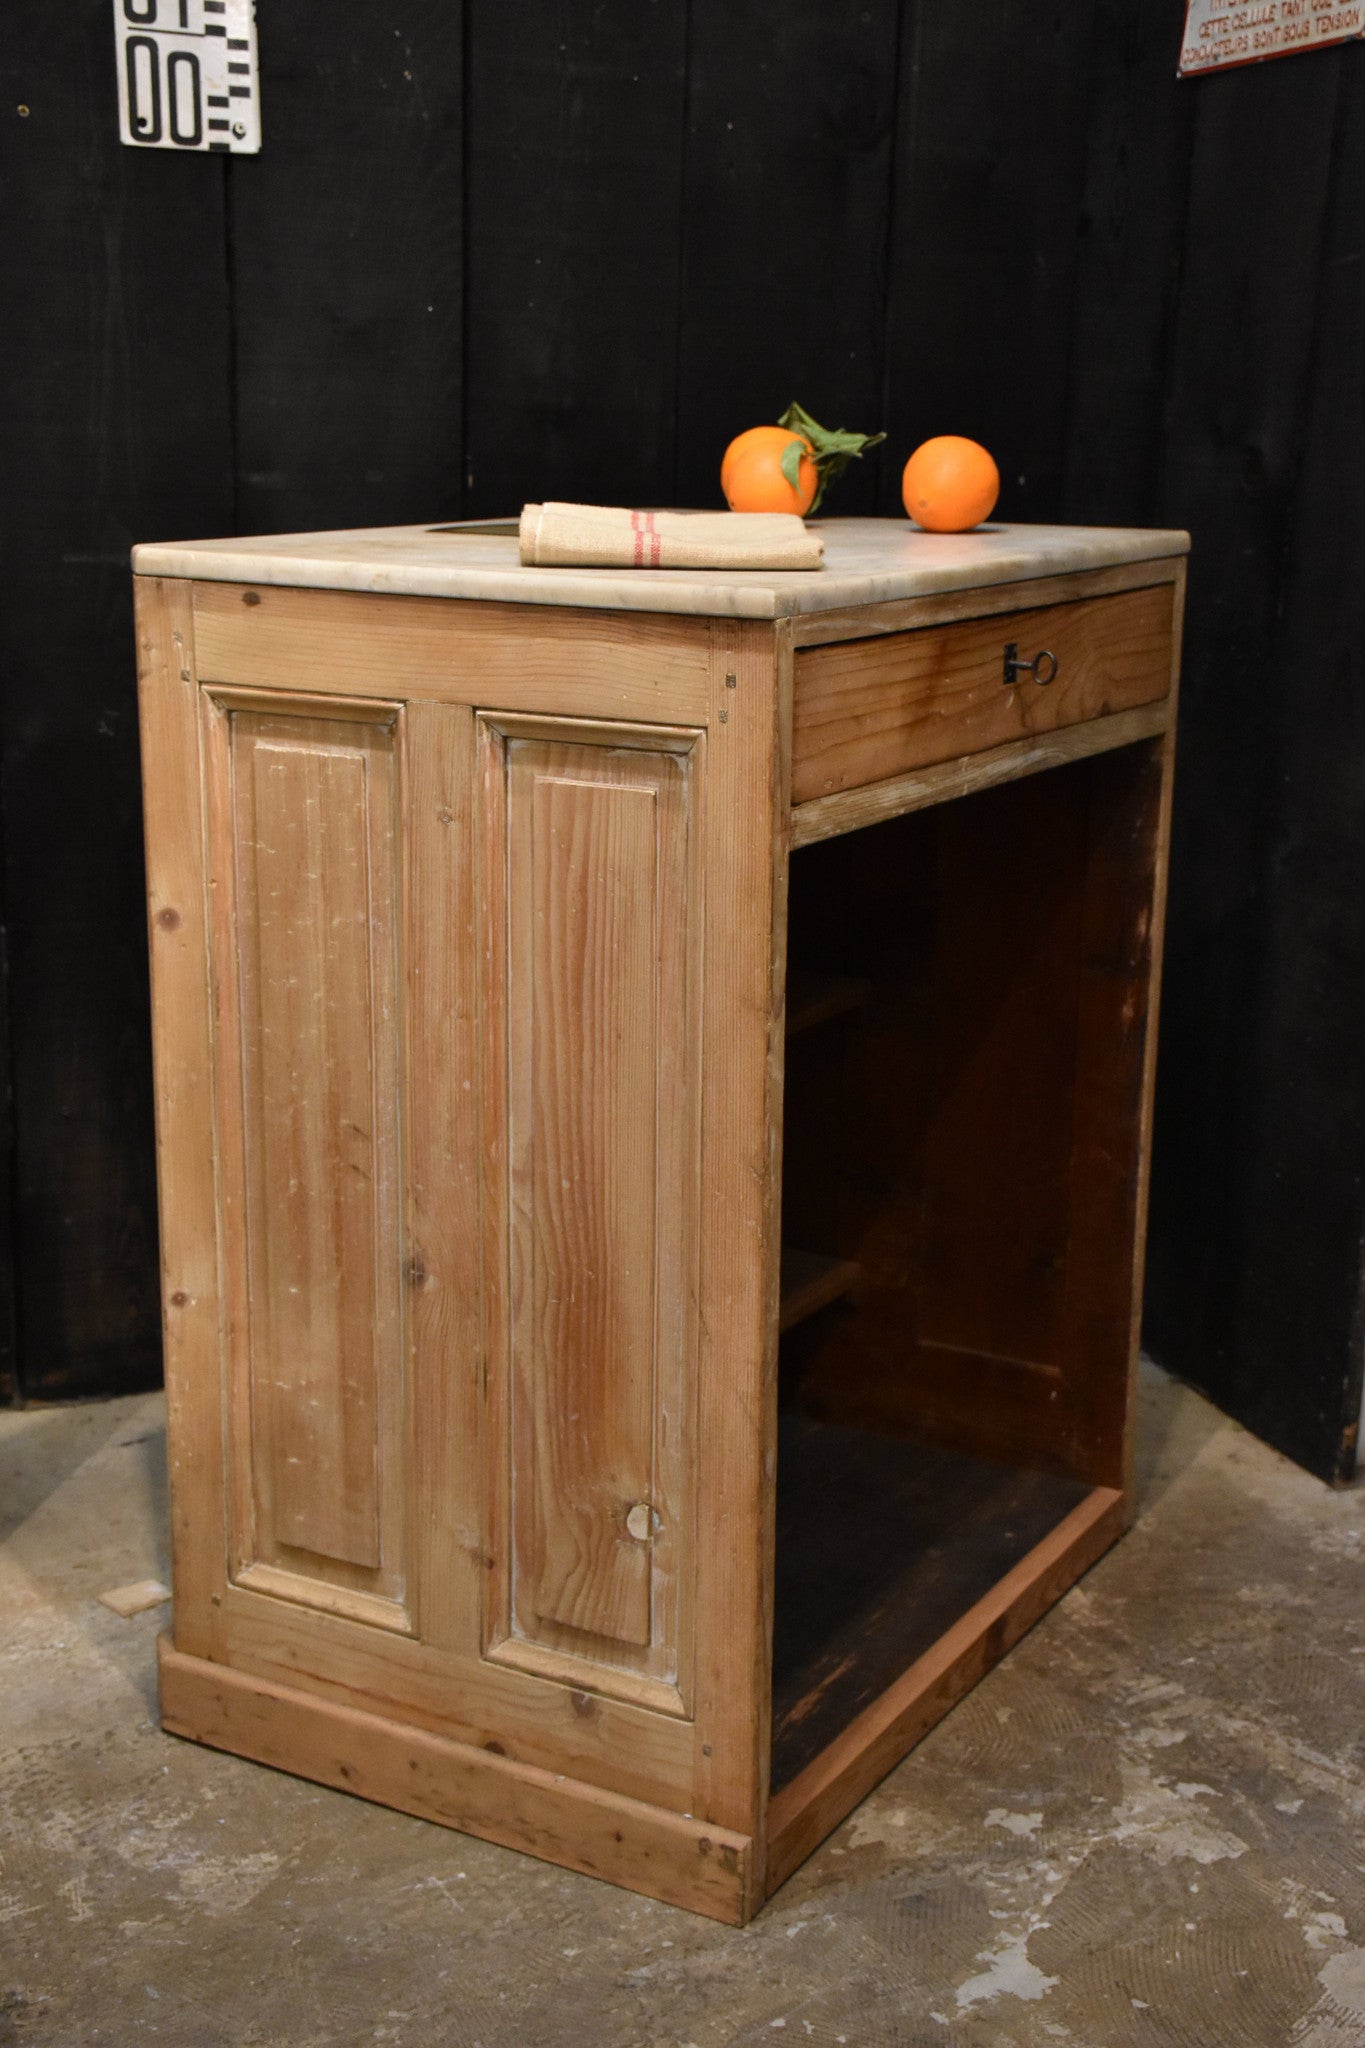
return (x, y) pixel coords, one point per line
(865, 710)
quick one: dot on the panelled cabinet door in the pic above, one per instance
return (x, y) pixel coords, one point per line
(592, 1092)
(306, 867)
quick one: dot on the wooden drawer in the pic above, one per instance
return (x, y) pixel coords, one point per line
(867, 709)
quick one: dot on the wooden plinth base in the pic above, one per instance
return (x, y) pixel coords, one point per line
(665, 1855)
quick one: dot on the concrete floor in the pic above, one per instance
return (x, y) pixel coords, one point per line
(1147, 1827)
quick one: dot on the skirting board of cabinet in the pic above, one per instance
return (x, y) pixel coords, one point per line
(668, 1856)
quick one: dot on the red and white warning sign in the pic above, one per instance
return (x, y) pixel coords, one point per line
(1218, 35)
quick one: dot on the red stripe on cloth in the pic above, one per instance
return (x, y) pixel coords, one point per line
(635, 519)
(655, 541)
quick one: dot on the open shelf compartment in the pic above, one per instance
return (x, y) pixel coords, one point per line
(963, 1140)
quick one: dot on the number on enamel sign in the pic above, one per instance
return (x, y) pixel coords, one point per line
(188, 75)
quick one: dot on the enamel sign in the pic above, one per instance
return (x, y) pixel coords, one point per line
(1218, 36)
(187, 74)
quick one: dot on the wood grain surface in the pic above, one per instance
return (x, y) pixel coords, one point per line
(902, 615)
(831, 1785)
(882, 1546)
(305, 878)
(667, 1856)
(868, 710)
(517, 657)
(972, 1135)
(745, 840)
(849, 810)
(810, 1282)
(186, 1130)
(594, 921)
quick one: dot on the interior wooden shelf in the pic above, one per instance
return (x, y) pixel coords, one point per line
(811, 1281)
(882, 1546)
(951, 1437)
(816, 998)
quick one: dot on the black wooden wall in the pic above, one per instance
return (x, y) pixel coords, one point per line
(516, 248)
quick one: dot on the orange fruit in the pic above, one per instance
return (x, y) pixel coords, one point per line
(949, 484)
(751, 472)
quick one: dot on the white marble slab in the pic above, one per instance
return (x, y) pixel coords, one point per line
(867, 561)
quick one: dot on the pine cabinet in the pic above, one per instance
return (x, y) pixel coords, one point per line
(653, 1083)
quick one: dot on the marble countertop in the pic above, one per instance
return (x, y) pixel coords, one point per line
(867, 561)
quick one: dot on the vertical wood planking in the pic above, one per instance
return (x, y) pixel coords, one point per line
(1238, 378)
(1301, 1322)
(346, 254)
(746, 828)
(989, 171)
(790, 121)
(441, 1114)
(1130, 224)
(575, 154)
(186, 1134)
(115, 426)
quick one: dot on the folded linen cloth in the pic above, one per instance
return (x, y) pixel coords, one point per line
(614, 537)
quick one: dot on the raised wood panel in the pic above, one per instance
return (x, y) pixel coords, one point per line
(587, 1121)
(306, 876)
(591, 1005)
(868, 710)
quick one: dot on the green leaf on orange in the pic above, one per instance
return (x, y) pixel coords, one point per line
(831, 448)
(791, 460)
